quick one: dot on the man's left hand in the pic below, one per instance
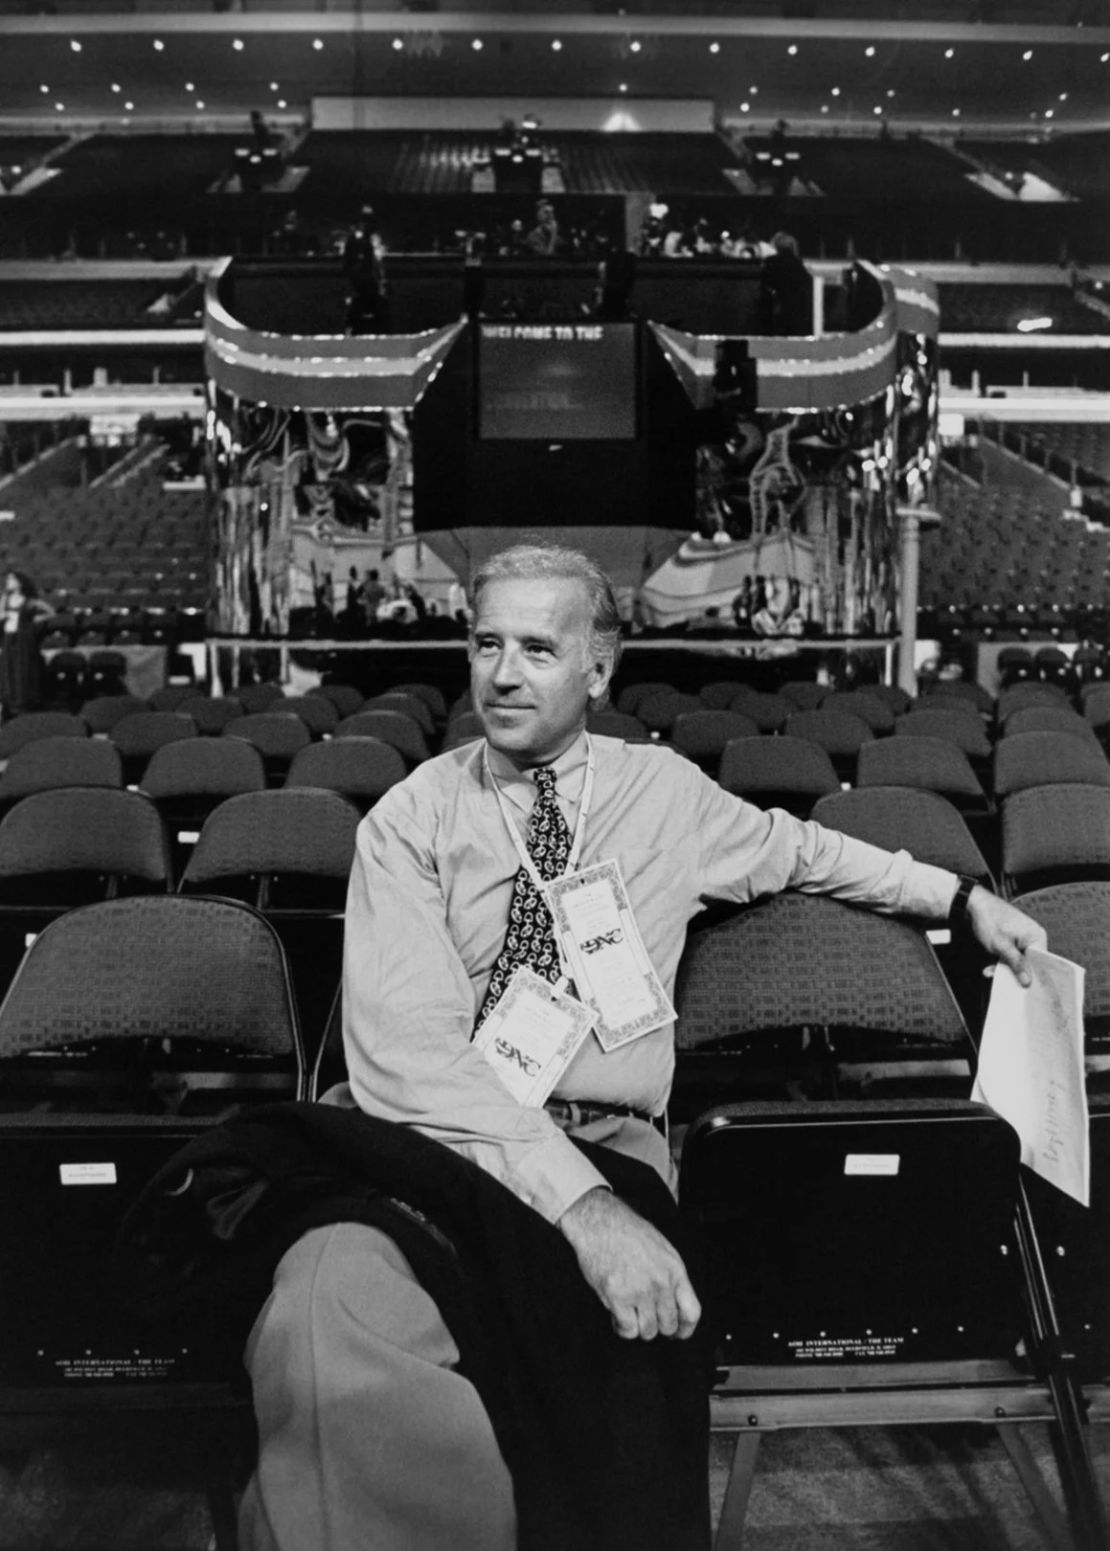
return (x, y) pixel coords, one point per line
(1004, 931)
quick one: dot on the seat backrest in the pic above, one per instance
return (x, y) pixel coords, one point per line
(930, 764)
(659, 710)
(211, 713)
(1046, 758)
(389, 727)
(33, 725)
(408, 704)
(102, 713)
(1046, 718)
(306, 831)
(273, 735)
(630, 695)
(1034, 692)
(360, 768)
(800, 960)
(344, 697)
(431, 695)
(768, 712)
(1076, 917)
(54, 761)
(318, 714)
(204, 766)
(899, 817)
(837, 732)
(161, 967)
(84, 829)
(963, 729)
(869, 708)
(258, 697)
(138, 734)
(804, 694)
(704, 734)
(1062, 830)
(750, 766)
(607, 724)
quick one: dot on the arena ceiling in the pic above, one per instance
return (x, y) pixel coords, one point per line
(844, 63)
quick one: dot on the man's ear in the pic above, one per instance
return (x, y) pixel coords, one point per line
(601, 671)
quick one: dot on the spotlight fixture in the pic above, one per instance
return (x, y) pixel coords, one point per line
(281, 102)
(835, 92)
(556, 45)
(1048, 113)
(46, 90)
(714, 48)
(955, 112)
(317, 44)
(623, 86)
(869, 51)
(745, 107)
(476, 45)
(949, 53)
(129, 107)
(237, 45)
(1033, 325)
(1102, 58)
(398, 44)
(59, 107)
(190, 86)
(1063, 96)
(1028, 55)
(793, 49)
(157, 45)
(877, 108)
(200, 107)
(74, 45)
(753, 91)
(635, 46)
(274, 87)
(890, 91)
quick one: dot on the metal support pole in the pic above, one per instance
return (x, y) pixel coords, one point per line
(911, 569)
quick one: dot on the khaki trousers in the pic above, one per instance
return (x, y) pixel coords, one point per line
(368, 1438)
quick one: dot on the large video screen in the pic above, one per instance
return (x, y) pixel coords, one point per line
(557, 382)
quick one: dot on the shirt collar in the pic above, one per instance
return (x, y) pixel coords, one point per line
(520, 788)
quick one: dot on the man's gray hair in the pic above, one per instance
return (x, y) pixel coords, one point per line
(551, 562)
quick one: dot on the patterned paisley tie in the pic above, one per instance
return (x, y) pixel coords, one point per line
(531, 936)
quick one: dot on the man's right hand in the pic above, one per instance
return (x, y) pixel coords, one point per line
(637, 1273)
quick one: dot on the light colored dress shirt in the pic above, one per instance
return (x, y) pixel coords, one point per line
(427, 912)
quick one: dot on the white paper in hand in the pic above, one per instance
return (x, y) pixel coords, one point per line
(1031, 1068)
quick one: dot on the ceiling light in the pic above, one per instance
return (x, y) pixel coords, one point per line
(955, 112)
(1028, 55)
(714, 48)
(237, 45)
(281, 102)
(949, 53)
(1102, 58)
(754, 90)
(1048, 113)
(317, 44)
(74, 45)
(745, 107)
(398, 44)
(824, 107)
(877, 108)
(200, 106)
(1063, 96)
(635, 46)
(869, 51)
(623, 87)
(890, 91)
(59, 107)
(476, 44)
(46, 89)
(556, 45)
(274, 87)
(835, 92)
(1033, 325)
(793, 49)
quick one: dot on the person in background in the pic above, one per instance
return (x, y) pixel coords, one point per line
(373, 596)
(20, 658)
(364, 268)
(786, 290)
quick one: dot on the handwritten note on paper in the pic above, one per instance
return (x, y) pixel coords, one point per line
(1031, 1069)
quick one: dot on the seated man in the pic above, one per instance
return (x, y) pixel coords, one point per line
(369, 1436)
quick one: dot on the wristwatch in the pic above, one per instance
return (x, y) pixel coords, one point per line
(957, 910)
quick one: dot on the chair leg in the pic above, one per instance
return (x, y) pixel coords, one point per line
(730, 1526)
(1053, 1521)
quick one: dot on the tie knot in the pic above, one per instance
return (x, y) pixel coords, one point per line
(544, 777)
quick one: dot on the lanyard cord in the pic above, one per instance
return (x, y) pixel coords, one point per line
(579, 829)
